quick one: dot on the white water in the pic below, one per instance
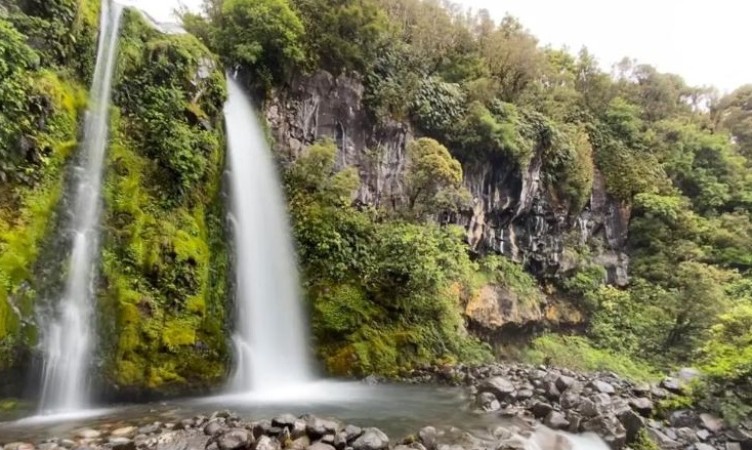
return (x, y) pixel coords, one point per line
(270, 336)
(66, 341)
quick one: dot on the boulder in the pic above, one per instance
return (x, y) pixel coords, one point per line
(711, 423)
(320, 446)
(122, 443)
(126, 432)
(608, 428)
(556, 420)
(687, 435)
(214, 427)
(672, 385)
(564, 382)
(353, 432)
(570, 400)
(701, 446)
(266, 443)
(602, 387)
(284, 421)
(541, 409)
(340, 440)
(642, 405)
(317, 427)
(488, 402)
(371, 439)
(524, 394)
(428, 436)
(588, 408)
(633, 423)
(301, 443)
(662, 440)
(498, 386)
(682, 418)
(150, 429)
(238, 438)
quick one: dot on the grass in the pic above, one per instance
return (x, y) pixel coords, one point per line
(578, 353)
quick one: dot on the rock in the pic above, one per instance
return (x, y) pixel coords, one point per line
(122, 443)
(672, 385)
(570, 400)
(88, 433)
(564, 382)
(67, 443)
(48, 446)
(733, 446)
(488, 402)
(498, 386)
(711, 423)
(340, 440)
(609, 429)
(186, 424)
(284, 421)
(602, 387)
(687, 435)
(260, 428)
(588, 408)
(214, 427)
(318, 427)
(150, 429)
(642, 405)
(427, 436)
(512, 444)
(353, 432)
(703, 435)
(556, 421)
(552, 392)
(682, 418)
(658, 392)
(328, 439)
(663, 441)
(320, 446)
(541, 409)
(126, 432)
(701, 446)
(266, 443)
(641, 389)
(742, 437)
(603, 403)
(234, 439)
(575, 420)
(371, 439)
(298, 429)
(632, 423)
(524, 394)
(19, 446)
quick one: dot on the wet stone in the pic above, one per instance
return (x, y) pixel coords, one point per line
(126, 432)
(353, 432)
(266, 443)
(428, 436)
(320, 446)
(150, 429)
(284, 420)
(234, 439)
(371, 439)
(122, 443)
(87, 433)
(214, 427)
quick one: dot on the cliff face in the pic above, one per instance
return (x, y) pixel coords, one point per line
(512, 211)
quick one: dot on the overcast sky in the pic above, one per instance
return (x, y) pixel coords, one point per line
(705, 41)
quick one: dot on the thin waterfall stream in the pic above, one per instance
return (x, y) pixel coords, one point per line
(270, 339)
(67, 338)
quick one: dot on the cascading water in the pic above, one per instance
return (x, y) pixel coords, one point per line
(270, 337)
(66, 342)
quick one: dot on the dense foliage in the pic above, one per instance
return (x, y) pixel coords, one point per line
(164, 259)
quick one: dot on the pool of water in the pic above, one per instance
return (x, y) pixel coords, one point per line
(398, 410)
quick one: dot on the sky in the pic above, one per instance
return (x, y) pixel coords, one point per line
(705, 41)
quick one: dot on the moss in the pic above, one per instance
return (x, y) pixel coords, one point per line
(164, 265)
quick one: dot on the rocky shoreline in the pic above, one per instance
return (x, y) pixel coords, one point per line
(537, 407)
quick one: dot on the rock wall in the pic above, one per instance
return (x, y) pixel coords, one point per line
(512, 212)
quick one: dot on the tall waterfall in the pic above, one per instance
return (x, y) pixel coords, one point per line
(270, 332)
(67, 339)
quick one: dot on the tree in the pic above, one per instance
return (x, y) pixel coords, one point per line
(263, 36)
(735, 114)
(433, 179)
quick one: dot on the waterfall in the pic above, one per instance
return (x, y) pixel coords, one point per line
(67, 340)
(270, 332)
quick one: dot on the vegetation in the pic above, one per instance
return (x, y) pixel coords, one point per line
(386, 284)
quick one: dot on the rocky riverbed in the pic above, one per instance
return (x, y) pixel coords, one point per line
(534, 408)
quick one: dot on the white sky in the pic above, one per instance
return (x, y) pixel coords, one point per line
(707, 42)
